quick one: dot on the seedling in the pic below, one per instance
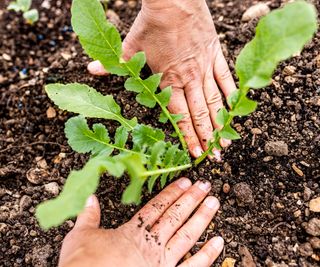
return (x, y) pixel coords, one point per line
(30, 15)
(148, 156)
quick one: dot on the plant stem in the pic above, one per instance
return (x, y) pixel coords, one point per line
(206, 153)
(162, 171)
(164, 109)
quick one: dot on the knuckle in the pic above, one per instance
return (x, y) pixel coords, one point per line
(185, 235)
(214, 97)
(194, 196)
(174, 214)
(169, 78)
(191, 75)
(200, 114)
(186, 119)
(224, 73)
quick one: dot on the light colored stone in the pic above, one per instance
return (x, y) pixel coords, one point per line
(51, 113)
(256, 11)
(52, 188)
(314, 204)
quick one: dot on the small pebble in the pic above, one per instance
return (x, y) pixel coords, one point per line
(314, 204)
(276, 148)
(256, 131)
(33, 233)
(256, 11)
(305, 249)
(297, 170)
(52, 188)
(226, 188)
(315, 242)
(25, 202)
(313, 227)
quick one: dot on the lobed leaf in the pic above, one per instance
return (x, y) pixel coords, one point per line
(143, 135)
(82, 99)
(278, 36)
(83, 140)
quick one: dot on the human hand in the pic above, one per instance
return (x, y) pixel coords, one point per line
(180, 41)
(160, 234)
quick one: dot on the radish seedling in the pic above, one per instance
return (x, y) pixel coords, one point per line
(148, 157)
(30, 15)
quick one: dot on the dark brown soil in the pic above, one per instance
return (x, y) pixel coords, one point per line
(264, 192)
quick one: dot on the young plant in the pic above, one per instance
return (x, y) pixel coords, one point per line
(30, 15)
(147, 156)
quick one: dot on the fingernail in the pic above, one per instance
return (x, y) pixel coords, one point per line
(90, 202)
(96, 68)
(198, 151)
(204, 186)
(184, 183)
(226, 142)
(217, 155)
(211, 202)
(217, 243)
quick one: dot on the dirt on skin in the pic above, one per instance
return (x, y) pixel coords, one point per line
(264, 193)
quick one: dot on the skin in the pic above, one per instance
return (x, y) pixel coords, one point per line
(160, 234)
(180, 41)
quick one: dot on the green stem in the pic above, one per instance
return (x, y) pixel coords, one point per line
(243, 93)
(162, 171)
(164, 109)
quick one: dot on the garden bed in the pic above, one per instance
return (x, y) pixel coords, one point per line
(266, 210)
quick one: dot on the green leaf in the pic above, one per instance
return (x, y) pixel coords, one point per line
(99, 38)
(164, 96)
(135, 168)
(136, 63)
(78, 187)
(222, 116)
(14, 6)
(215, 143)
(121, 137)
(233, 98)
(31, 16)
(82, 99)
(24, 4)
(145, 88)
(83, 140)
(143, 135)
(278, 36)
(228, 133)
(244, 107)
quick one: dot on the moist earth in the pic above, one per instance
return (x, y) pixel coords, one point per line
(265, 182)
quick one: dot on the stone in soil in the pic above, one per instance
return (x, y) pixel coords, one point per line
(25, 202)
(243, 194)
(276, 148)
(314, 204)
(305, 250)
(315, 242)
(40, 255)
(313, 227)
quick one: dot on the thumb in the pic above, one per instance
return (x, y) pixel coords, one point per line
(128, 48)
(90, 217)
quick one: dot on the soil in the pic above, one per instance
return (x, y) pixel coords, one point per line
(264, 188)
